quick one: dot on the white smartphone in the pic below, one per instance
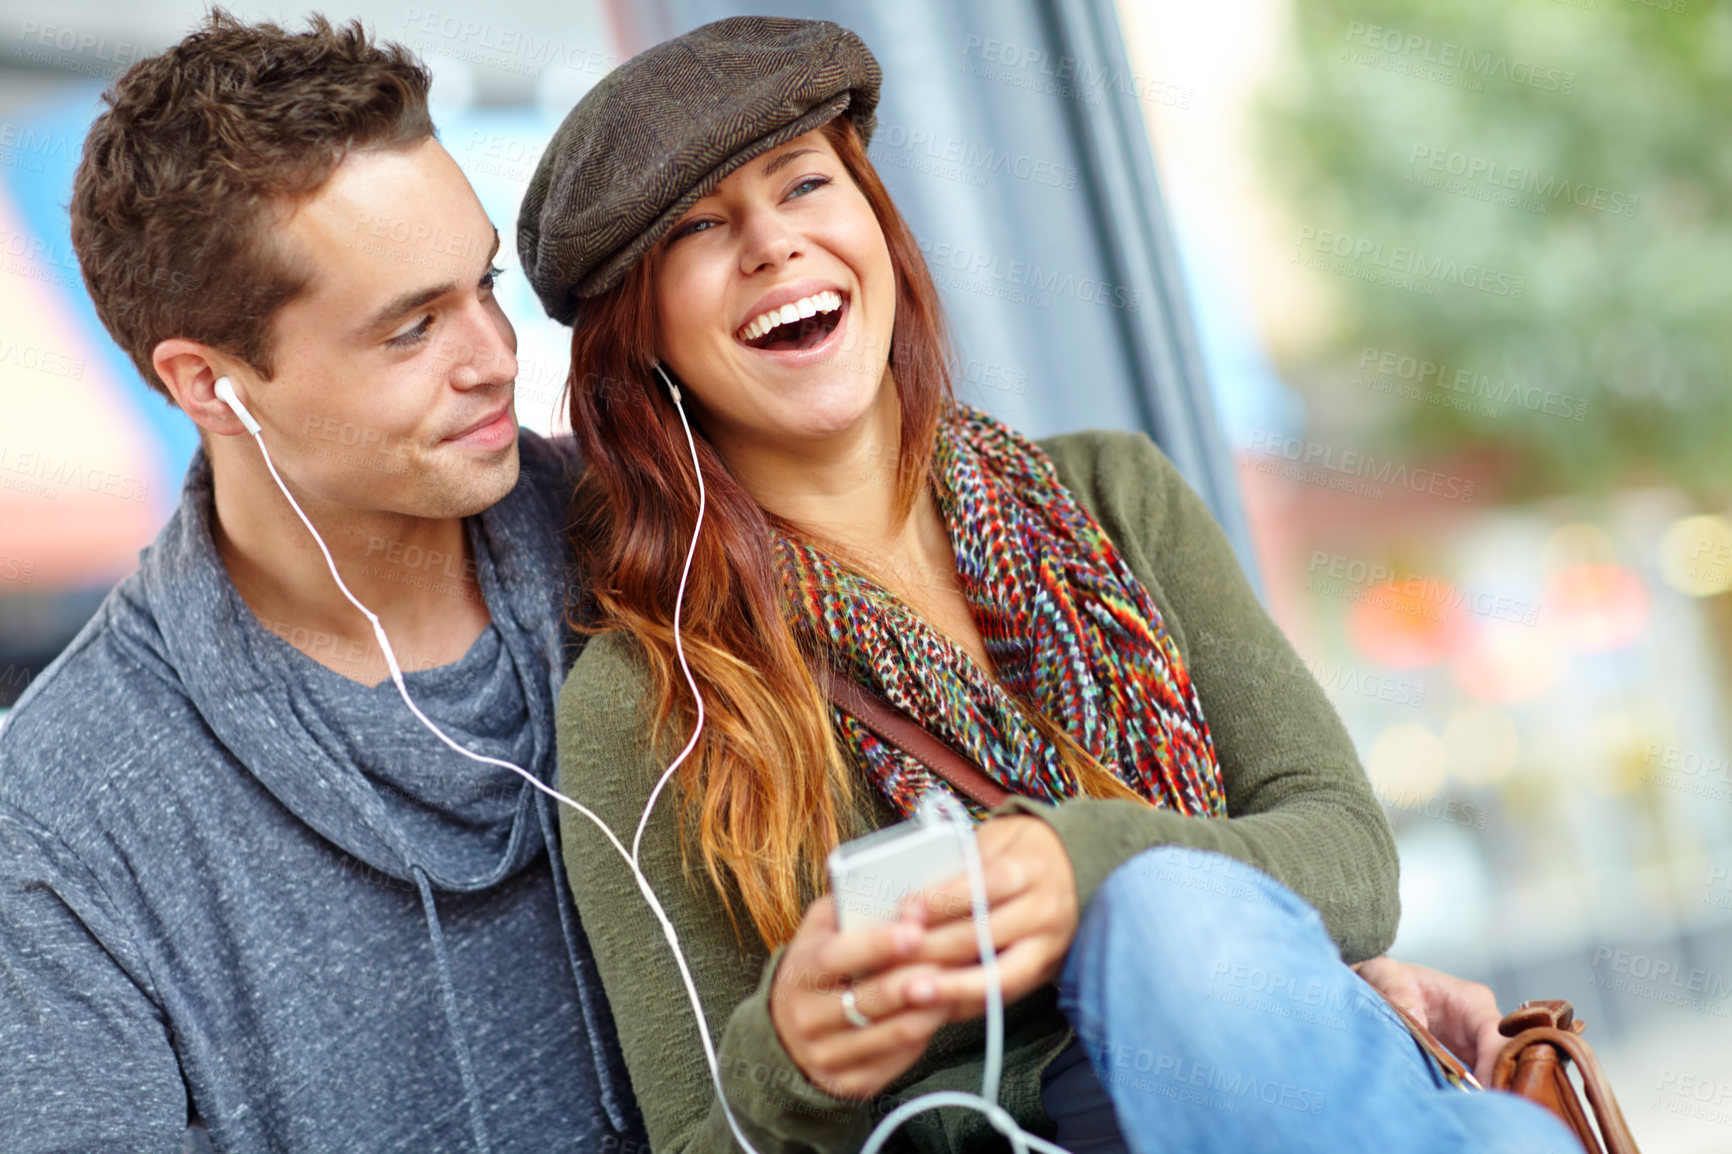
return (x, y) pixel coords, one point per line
(870, 876)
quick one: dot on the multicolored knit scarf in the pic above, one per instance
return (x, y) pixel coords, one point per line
(1069, 628)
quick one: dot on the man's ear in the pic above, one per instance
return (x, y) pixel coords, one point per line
(191, 371)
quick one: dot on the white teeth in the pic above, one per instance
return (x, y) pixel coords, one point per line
(824, 302)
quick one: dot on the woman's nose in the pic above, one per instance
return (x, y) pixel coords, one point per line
(766, 241)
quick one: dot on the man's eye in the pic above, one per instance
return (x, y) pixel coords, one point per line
(414, 336)
(491, 277)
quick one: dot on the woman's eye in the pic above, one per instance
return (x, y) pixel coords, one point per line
(414, 336)
(810, 184)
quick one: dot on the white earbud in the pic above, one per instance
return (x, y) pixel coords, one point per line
(225, 391)
(673, 389)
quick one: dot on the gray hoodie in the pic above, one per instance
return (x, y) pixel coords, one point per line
(237, 886)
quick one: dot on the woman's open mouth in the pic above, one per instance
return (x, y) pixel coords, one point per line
(805, 324)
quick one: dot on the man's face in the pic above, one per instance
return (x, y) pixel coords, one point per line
(395, 367)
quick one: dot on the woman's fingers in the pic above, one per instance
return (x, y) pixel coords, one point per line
(957, 944)
(1022, 968)
(871, 968)
(1018, 855)
(848, 957)
(953, 900)
(892, 1038)
(885, 994)
(829, 957)
(849, 1060)
(908, 978)
(820, 917)
(1487, 1047)
(1396, 982)
(863, 1082)
(822, 962)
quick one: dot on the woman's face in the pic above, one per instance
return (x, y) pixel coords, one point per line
(775, 300)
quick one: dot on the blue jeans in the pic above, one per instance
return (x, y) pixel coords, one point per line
(1216, 1011)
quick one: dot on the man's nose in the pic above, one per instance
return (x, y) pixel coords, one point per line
(485, 353)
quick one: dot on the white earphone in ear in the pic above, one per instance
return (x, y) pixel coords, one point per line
(225, 391)
(673, 389)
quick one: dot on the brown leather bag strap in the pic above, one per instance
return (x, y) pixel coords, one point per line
(1454, 1070)
(891, 725)
(1543, 1035)
(1553, 1012)
(1614, 1130)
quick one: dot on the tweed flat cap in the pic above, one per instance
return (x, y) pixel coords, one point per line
(663, 129)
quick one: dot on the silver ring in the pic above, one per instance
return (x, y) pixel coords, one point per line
(851, 1010)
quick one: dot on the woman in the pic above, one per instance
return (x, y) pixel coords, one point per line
(708, 213)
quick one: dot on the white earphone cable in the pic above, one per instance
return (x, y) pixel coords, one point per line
(679, 608)
(986, 1102)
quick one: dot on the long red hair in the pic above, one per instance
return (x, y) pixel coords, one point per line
(766, 791)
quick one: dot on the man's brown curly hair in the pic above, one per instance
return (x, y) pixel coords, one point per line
(200, 149)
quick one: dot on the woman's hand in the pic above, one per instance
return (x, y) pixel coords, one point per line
(837, 1056)
(1462, 1015)
(1031, 892)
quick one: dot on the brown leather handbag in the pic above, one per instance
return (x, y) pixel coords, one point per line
(1544, 1035)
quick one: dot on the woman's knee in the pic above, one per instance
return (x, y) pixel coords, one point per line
(1188, 885)
(1193, 908)
(1199, 919)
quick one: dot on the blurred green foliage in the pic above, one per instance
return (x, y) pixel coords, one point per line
(1626, 305)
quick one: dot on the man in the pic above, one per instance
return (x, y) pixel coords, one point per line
(238, 880)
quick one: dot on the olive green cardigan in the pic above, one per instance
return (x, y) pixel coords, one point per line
(1300, 809)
